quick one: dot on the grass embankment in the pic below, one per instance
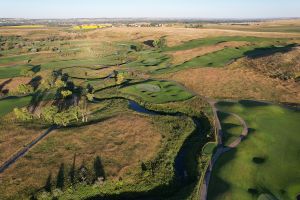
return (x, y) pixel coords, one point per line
(266, 162)
(231, 127)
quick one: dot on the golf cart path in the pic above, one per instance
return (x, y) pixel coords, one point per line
(24, 150)
(221, 148)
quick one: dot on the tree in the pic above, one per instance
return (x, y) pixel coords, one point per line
(119, 78)
(90, 96)
(48, 113)
(23, 114)
(66, 93)
(62, 118)
(160, 43)
(26, 72)
(74, 112)
(59, 83)
(25, 89)
(46, 84)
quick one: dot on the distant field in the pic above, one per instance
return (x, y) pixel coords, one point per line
(24, 26)
(266, 162)
(90, 27)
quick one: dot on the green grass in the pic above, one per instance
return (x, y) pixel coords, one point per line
(8, 104)
(157, 91)
(215, 59)
(231, 127)
(7, 60)
(215, 40)
(148, 60)
(209, 148)
(226, 56)
(267, 161)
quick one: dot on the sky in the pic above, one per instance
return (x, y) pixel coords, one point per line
(149, 8)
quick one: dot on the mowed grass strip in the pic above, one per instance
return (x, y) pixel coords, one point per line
(8, 104)
(267, 161)
(215, 40)
(156, 91)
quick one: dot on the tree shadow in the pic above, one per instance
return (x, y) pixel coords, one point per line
(217, 185)
(60, 180)
(225, 103)
(250, 103)
(72, 173)
(48, 183)
(98, 168)
(267, 51)
(2, 85)
(149, 43)
(35, 82)
(36, 99)
(36, 68)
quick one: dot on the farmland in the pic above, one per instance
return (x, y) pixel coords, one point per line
(98, 111)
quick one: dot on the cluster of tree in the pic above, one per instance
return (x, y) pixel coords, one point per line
(160, 43)
(52, 115)
(25, 89)
(119, 77)
(193, 26)
(23, 114)
(72, 175)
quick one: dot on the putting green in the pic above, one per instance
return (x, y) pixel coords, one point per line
(158, 91)
(267, 161)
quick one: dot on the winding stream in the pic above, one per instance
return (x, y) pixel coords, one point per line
(180, 168)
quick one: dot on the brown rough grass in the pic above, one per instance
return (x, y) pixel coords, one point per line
(174, 35)
(122, 142)
(13, 137)
(13, 83)
(237, 83)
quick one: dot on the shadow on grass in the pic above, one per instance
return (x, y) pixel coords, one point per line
(251, 104)
(217, 185)
(48, 184)
(60, 180)
(267, 51)
(98, 168)
(225, 103)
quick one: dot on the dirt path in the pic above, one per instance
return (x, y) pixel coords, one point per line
(220, 149)
(23, 151)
